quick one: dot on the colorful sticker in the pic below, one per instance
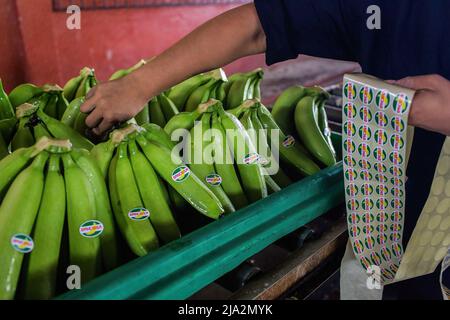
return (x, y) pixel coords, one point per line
(401, 103)
(364, 150)
(214, 179)
(366, 115)
(349, 128)
(364, 164)
(350, 110)
(380, 137)
(349, 161)
(181, 173)
(366, 95)
(91, 229)
(381, 119)
(251, 158)
(349, 146)
(353, 218)
(396, 158)
(289, 141)
(398, 125)
(350, 91)
(365, 133)
(22, 243)
(139, 214)
(351, 190)
(383, 99)
(397, 142)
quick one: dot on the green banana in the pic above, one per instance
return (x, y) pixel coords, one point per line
(51, 106)
(156, 114)
(23, 137)
(186, 120)
(83, 87)
(179, 176)
(283, 109)
(143, 116)
(257, 89)
(41, 272)
(204, 167)
(272, 185)
(39, 131)
(72, 111)
(71, 87)
(155, 133)
(178, 203)
(3, 148)
(61, 131)
(245, 155)
(17, 214)
(80, 124)
(61, 105)
(200, 95)
(238, 93)
(123, 72)
(6, 108)
(180, 93)
(168, 108)
(14, 163)
(7, 128)
(223, 164)
(102, 153)
(306, 122)
(153, 195)
(140, 234)
(288, 148)
(118, 74)
(108, 238)
(280, 177)
(243, 87)
(84, 244)
(23, 93)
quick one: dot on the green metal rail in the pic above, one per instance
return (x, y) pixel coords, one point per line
(181, 268)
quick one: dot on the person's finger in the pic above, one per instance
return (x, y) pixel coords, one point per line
(89, 103)
(418, 82)
(91, 93)
(94, 118)
(87, 106)
(103, 127)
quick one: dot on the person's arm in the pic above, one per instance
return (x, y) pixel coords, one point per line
(232, 35)
(430, 109)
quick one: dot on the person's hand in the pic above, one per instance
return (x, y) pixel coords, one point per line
(430, 109)
(111, 103)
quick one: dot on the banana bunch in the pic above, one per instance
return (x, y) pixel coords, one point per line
(6, 108)
(242, 87)
(49, 97)
(80, 85)
(196, 90)
(32, 123)
(41, 186)
(307, 107)
(75, 90)
(138, 163)
(219, 150)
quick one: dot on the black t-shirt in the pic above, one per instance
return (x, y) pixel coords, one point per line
(414, 39)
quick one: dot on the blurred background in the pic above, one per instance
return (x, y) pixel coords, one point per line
(36, 46)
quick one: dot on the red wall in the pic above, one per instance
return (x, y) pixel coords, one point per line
(11, 49)
(108, 39)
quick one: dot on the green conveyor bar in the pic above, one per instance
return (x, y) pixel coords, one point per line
(181, 268)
